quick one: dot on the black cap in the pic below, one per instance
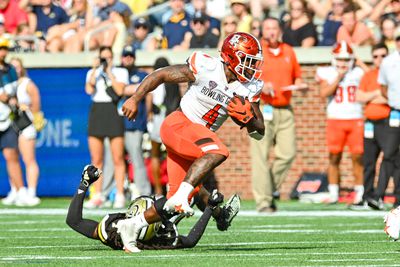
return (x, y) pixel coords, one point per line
(141, 22)
(129, 51)
(200, 16)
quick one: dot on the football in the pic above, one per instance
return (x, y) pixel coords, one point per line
(241, 98)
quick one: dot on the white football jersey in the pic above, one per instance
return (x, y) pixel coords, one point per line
(208, 96)
(343, 104)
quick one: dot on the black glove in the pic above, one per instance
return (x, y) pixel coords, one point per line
(215, 199)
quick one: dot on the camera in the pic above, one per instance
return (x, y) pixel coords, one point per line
(103, 62)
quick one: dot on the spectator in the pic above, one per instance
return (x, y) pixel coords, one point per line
(229, 25)
(29, 100)
(353, 31)
(256, 28)
(49, 15)
(339, 83)
(240, 8)
(73, 32)
(200, 36)
(389, 79)
(280, 69)
(299, 30)
(331, 12)
(376, 114)
(12, 14)
(388, 31)
(386, 9)
(8, 135)
(105, 83)
(141, 38)
(176, 27)
(200, 6)
(23, 45)
(110, 26)
(134, 130)
(162, 101)
(138, 6)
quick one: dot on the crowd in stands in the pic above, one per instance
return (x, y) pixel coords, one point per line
(72, 26)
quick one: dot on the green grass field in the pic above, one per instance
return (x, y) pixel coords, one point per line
(298, 235)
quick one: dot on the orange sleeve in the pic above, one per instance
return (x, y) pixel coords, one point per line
(296, 66)
(364, 82)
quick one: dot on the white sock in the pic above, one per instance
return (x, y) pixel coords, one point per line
(184, 190)
(359, 190)
(32, 191)
(140, 221)
(13, 190)
(334, 191)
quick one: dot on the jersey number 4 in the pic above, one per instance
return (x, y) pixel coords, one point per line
(351, 94)
(211, 116)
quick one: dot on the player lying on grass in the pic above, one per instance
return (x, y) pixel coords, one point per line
(114, 228)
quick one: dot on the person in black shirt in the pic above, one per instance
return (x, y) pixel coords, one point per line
(200, 36)
(112, 228)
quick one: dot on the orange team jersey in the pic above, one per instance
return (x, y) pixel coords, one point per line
(208, 96)
(369, 82)
(281, 70)
(342, 104)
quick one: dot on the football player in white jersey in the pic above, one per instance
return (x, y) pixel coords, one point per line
(218, 88)
(345, 126)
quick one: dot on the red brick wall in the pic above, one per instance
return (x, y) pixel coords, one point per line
(234, 175)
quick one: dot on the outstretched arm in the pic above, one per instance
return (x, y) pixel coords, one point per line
(197, 231)
(170, 74)
(74, 217)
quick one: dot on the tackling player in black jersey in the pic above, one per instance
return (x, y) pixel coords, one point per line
(114, 228)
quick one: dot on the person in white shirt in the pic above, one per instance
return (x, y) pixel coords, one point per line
(105, 83)
(345, 125)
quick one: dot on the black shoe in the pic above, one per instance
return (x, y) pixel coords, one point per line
(90, 174)
(362, 205)
(375, 204)
(228, 212)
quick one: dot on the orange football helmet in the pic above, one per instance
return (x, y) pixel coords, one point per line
(242, 53)
(343, 50)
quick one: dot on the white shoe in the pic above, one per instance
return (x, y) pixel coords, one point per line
(392, 223)
(22, 197)
(179, 205)
(129, 233)
(10, 198)
(32, 201)
(95, 202)
(119, 202)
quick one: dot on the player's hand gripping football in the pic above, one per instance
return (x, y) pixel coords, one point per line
(130, 108)
(240, 109)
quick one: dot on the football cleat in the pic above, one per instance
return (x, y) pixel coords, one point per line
(228, 212)
(375, 204)
(392, 223)
(129, 232)
(179, 205)
(90, 174)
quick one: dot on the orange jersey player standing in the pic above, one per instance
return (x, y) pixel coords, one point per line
(218, 88)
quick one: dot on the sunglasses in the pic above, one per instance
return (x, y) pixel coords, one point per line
(379, 56)
(199, 21)
(229, 23)
(141, 26)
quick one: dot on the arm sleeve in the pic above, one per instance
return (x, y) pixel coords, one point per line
(197, 231)
(381, 76)
(74, 217)
(296, 66)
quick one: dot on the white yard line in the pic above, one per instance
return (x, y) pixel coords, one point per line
(244, 213)
(185, 255)
(212, 244)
